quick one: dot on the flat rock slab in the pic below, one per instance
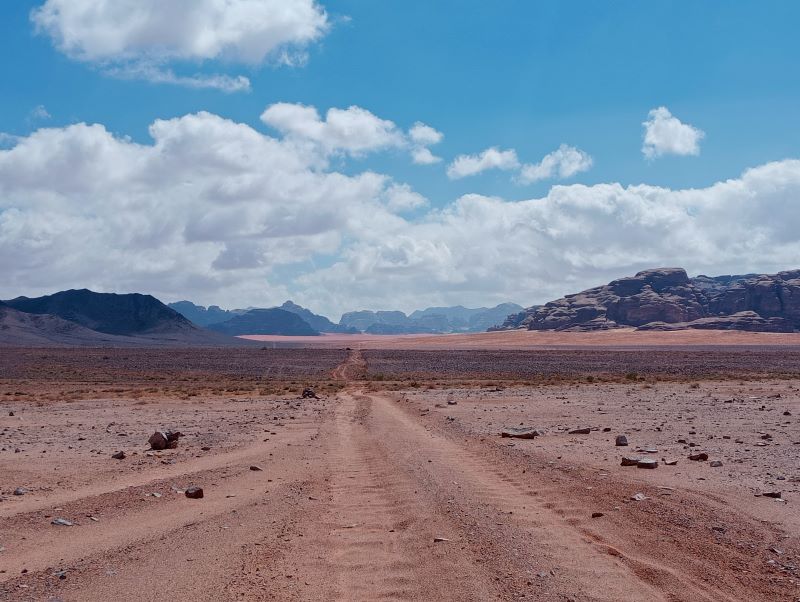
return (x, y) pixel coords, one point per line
(521, 432)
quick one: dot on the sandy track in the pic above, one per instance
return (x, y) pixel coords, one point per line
(348, 508)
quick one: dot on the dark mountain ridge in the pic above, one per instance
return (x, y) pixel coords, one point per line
(109, 313)
(86, 318)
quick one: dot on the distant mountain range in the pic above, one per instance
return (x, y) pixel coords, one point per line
(667, 299)
(657, 299)
(433, 320)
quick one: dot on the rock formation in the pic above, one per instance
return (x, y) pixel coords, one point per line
(667, 299)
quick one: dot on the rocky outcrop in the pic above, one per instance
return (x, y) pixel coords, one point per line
(667, 299)
(748, 321)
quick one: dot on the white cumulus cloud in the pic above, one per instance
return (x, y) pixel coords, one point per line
(492, 158)
(142, 36)
(353, 130)
(562, 163)
(665, 134)
(422, 136)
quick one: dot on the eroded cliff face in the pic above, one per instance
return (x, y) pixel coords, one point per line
(667, 296)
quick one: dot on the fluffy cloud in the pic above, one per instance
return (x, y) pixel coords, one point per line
(400, 198)
(354, 130)
(219, 212)
(210, 209)
(482, 250)
(422, 136)
(665, 134)
(562, 163)
(129, 34)
(492, 158)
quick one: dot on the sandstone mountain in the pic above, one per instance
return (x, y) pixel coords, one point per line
(265, 321)
(316, 321)
(667, 299)
(200, 315)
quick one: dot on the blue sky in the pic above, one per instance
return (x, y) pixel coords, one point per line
(527, 76)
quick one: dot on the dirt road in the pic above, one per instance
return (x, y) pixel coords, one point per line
(363, 497)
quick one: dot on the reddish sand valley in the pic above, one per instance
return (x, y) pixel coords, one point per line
(395, 484)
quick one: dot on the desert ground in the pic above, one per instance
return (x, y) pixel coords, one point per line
(395, 484)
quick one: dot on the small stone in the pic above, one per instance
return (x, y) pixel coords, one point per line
(621, 441)
(628, 461)
(205, 448)
(256, 468)
(11, 413)
(647, 463)
(61, 522)
(580, 431)
(773, 494)
(452, 402)
(699, 457)
(597, 514)
(716, 463)
(439, 539)
(120, 455)
(194, 492)
(20, 491)
(670, 462)
(638, 497)
(521, 432)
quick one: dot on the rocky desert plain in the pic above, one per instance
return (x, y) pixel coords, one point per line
(395, 482)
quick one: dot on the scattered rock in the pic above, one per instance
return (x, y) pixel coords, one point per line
(699, 457)
(11, 413)
(20, 491)
(452, 402)
(670, 462)
(773, 494)
(439, 539)
(521, 432)
(256, 468)
(164, 440)
(120, 455)
(628, 461)
(647, 463)
(194, 492)
(597, 514)
(716, 463)
(61, 522)
(580, 431)
(638, 497)
(621, 441)
(309, 393)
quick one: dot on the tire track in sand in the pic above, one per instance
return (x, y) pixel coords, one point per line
(376, 540)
